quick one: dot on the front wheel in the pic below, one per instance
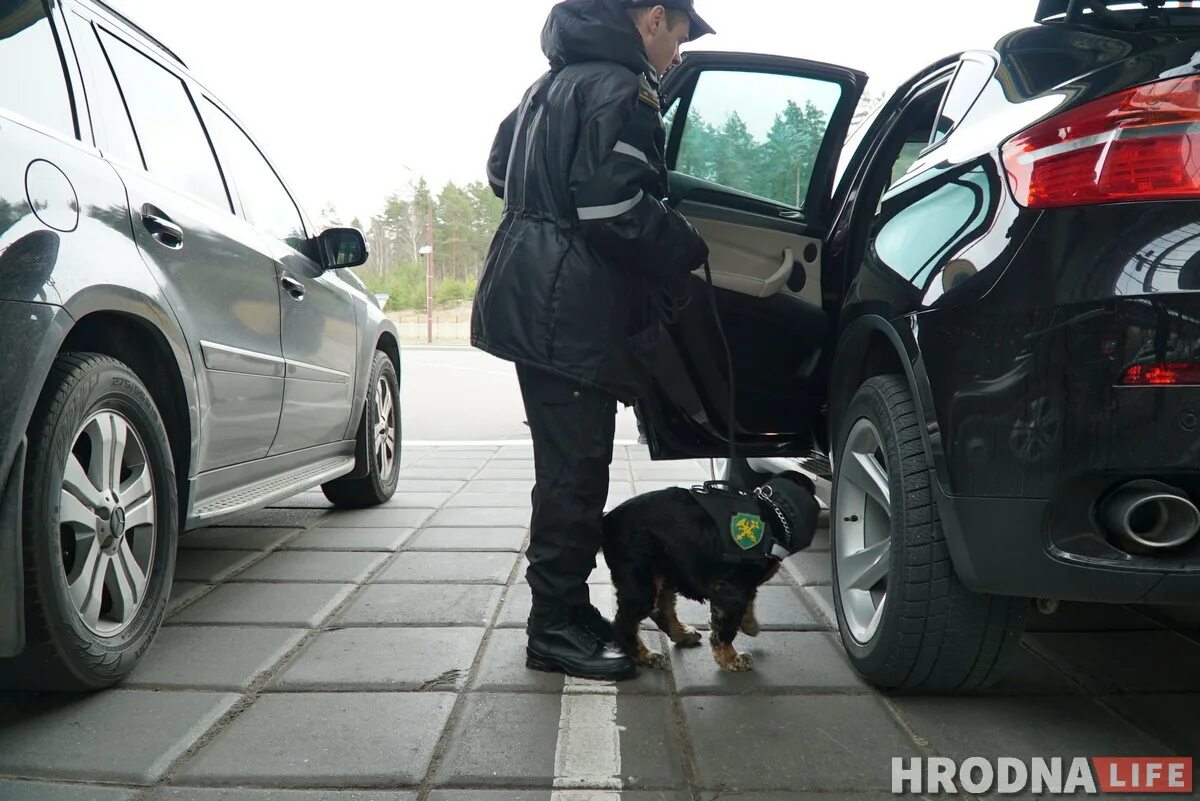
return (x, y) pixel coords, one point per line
(101, 521)
(905, 619)
(379, 439)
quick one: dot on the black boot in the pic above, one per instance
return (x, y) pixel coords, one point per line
(566, 643)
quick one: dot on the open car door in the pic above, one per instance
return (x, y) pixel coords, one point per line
(752, 145)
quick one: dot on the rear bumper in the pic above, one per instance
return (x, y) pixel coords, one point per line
(1021, 547)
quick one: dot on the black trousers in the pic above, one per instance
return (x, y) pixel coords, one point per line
(573, 427)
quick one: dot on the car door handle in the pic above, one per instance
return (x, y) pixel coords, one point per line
(162, 228)
(292, 287)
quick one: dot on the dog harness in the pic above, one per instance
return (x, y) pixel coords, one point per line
(747, 534)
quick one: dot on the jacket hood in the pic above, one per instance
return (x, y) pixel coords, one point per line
(593, 30)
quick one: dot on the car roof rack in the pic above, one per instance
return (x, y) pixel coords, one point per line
(140, 31)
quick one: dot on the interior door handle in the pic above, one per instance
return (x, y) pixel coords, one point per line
(292, 287)
(162, 228)
(792, 215)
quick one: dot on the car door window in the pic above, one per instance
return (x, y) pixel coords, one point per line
(265, 202)
(915, 240)
(756, 132)
(32, 82)
(973, 74)
(110, 118)
(172, 140)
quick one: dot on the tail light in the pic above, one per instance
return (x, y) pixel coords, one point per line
(1139, 144)
(1161, 375)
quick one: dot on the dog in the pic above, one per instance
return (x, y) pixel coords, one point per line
(707, 545)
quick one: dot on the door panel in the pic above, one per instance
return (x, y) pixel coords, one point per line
(210, 264)
(320, 345)
(752, 144)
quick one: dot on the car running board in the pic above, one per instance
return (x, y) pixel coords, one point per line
(275, 488)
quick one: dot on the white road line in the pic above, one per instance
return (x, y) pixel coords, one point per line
(588, 754)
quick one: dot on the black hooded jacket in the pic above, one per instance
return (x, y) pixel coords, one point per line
(574, 280)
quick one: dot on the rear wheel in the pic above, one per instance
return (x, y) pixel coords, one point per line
(379, 438)
(906, 621)
(100, 523)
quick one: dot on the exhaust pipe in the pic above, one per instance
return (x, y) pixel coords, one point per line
(1150, 515)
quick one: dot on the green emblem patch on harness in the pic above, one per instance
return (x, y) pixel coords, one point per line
(747, 530)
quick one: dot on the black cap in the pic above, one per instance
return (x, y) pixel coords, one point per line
(699, 26)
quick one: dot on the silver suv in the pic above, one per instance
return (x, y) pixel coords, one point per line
(178, 344)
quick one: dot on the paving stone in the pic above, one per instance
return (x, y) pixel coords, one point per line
(505, 516)
(1028, 674)
(450, 568)
(1021, 727)
(416, 500)
(42, 791)
(420, 485)
(384, 659)
(784, 661)
(1125, 661)
(778, 609)
(379, 518)
(514, 500)
(278, 518)
(352, 539)
(503, 740)
(820, 601)
(440, 461)
(799, 743)
(498, 486)
(419, 473)
(810, 568)
(266, 604)
(820, 540)
(518, 602)
(325, 740)
(461, 452)
(334, 567)
(1090, 617)
(651, 755)
(211, 566)
(469, 539)
(202, 794)
(1171, 719)
(119, 736)
(235, 539)
(499, 795)
(502, 668)
(490, 473)
(423, 605)
(184, 592)
(217, 658)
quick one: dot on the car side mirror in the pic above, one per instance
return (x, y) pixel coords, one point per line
(343, 247)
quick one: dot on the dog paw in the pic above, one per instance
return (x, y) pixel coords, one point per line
(741, 663)
(688, 637)
(750, 627)
(654, 661)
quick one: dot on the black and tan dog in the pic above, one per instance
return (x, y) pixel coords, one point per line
(706, 545)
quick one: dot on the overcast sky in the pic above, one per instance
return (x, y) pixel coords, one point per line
(353, 99)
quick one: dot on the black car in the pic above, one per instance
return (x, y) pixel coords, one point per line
(178, 342)
(983, 308)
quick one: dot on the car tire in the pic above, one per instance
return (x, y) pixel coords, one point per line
(906, 621)
(378, 439)
(100, 528)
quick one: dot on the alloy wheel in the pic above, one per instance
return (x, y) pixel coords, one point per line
(864, 530)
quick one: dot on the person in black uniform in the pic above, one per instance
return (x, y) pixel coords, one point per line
(575, 286)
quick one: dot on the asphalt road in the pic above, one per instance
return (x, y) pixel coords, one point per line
(464, 395)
